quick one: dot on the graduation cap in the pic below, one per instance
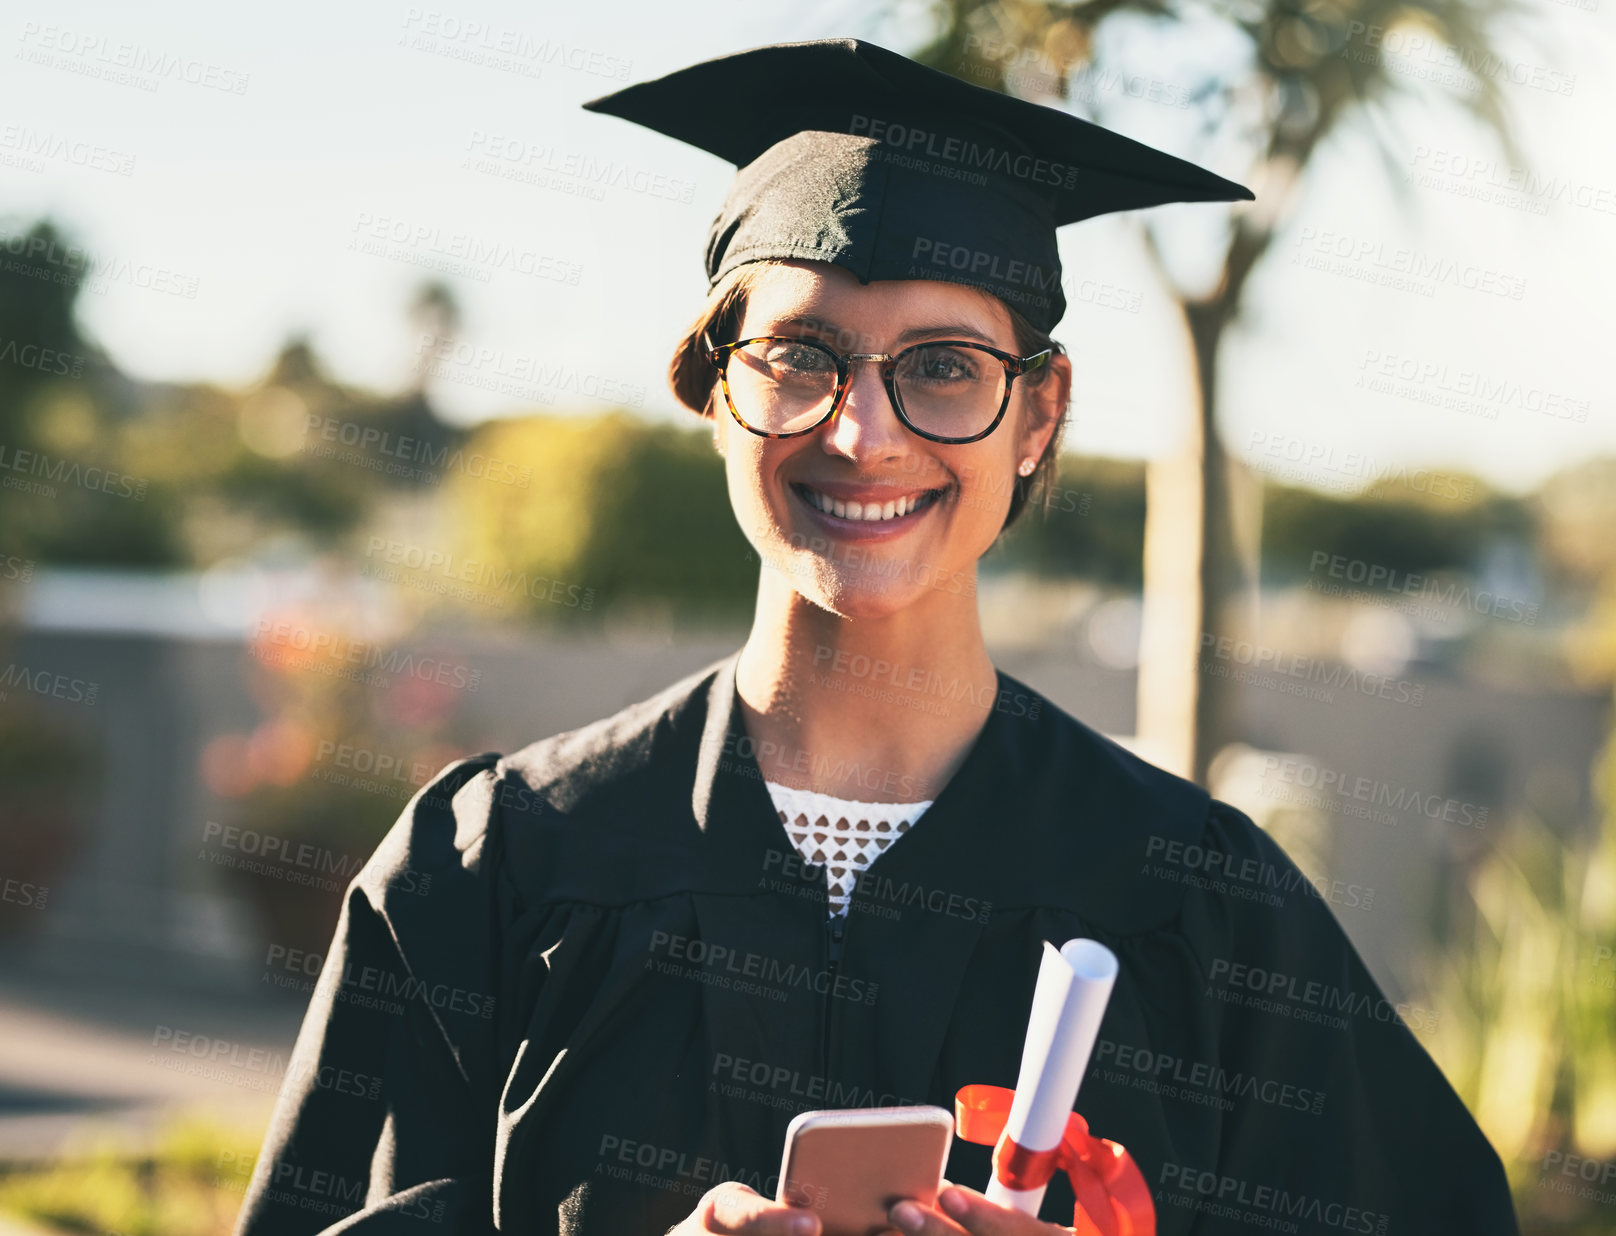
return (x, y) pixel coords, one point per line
(853, 154)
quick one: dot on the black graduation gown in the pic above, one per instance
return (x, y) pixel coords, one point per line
(577, 986)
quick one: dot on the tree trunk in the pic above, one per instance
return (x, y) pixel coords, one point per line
(1191, 569)
(1168, 640)
(1220, 572)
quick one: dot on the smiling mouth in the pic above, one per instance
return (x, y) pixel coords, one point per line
(869, 512)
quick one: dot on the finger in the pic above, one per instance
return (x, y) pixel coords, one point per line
(736, 1208)
(975, 1214)
(913, 1219)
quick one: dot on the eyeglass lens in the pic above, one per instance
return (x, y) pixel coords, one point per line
(786, 386)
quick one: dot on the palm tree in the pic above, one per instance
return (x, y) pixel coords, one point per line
(1313, 66)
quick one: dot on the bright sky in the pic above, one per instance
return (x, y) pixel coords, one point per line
(283, 152)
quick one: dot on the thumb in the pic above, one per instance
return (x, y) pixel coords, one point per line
(731, 1204)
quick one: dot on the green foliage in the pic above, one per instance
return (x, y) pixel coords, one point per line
(639, 513)
(189, 1185)
(37, 752)
(1405, 533)
(1094, 528)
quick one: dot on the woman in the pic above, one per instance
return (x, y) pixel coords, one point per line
(819, 872)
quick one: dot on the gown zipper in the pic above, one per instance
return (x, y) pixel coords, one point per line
(827, 1026)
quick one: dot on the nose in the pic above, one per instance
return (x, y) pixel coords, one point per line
(866, 424)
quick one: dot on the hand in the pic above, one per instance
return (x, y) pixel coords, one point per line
(732, 1207)
(972, 1213)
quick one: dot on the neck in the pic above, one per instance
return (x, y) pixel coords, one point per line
(882, 708)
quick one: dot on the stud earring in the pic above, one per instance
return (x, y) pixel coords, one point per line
(1026, 466)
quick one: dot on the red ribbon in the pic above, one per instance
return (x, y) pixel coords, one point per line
(1112, 1197)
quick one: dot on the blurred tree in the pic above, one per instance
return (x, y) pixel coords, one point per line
(435, 315)
(69, 497)
(1094, 529)
(1576, 510)
(639, 513)
(1304, 69)
(1405, 532)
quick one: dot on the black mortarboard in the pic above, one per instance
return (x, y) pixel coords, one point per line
(852, 154)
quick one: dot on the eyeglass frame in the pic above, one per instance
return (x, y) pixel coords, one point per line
(1014, 367)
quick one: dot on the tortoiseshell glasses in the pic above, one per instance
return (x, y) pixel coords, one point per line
(950, 390)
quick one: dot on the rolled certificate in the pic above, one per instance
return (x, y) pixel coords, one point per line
(1074, 985)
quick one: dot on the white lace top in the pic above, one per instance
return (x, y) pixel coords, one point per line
(845, 834)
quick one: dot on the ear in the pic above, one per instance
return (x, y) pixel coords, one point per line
(718, 429)
(1042, 405)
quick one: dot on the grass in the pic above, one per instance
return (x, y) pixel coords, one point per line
(189, 1184)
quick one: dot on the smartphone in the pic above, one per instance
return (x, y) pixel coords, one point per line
(852, 1164)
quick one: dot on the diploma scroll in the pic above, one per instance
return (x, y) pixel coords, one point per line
(1074, 985)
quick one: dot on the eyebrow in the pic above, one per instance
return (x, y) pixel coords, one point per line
(941, 330)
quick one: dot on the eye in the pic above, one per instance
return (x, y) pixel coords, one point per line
(945, 366)
(797, 359)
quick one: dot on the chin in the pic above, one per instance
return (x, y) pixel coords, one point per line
(861, 600)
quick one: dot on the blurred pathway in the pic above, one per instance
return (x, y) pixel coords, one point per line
(79, 1064)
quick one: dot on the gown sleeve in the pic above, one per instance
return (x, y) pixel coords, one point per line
(1382, 1144)
(385, 1119)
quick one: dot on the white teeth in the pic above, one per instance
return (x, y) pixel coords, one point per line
(867, 510)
